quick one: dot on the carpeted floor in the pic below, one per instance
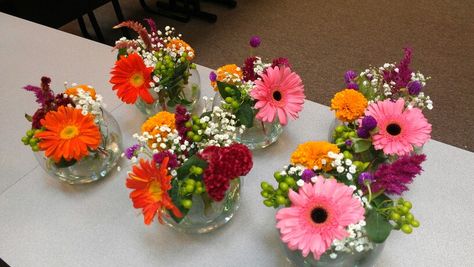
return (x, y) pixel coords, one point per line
(323, 39)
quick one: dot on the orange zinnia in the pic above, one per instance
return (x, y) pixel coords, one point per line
(314, 154)
(68, 134)
(349, 105)
(227, 74)
(85, 88)
(150, 189)
(131, 78)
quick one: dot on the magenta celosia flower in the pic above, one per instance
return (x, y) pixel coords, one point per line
(394, 177)
(160, 156)
(280, 93)
(318, 215)
(181, 117)
(399, 129)
(248, 69)
(281, 62)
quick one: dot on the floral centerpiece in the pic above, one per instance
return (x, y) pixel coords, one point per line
(343, 199)
(188, 169)
(155, 71)
(262, 95)
(74, 138)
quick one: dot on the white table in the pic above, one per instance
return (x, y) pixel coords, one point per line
(47, 223)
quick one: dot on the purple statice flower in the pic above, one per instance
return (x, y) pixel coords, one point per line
(369, 123)
(394, 177)
(130, 152)
(280, 62)
(414, 87)
(181, 117)
(352, 85)
(212, 76)
(248, 69)
(255, 41)
(349, 76)
(366, 177)
(363, 133)
(348, 142)
(173, 159)
(307, 175)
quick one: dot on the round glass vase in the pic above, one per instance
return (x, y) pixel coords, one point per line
(344, 259)
(260, 135)
(97, 164)
(183, 89)
(206, 214)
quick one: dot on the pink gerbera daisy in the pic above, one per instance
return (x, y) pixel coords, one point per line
(318, 215)
(399, 129)
(279, 92)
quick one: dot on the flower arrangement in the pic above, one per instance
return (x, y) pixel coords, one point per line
(268, 92)
(345, 197)
(183, 159)
(155, 68)
(70, 126)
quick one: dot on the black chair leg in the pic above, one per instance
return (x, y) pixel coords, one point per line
(82, 26)
(96, 27)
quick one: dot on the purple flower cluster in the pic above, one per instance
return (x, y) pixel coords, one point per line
(181, 117)
(394, 177)
(307, 175)
(248, 69)
(173, 159)
(130, 152)
(281, 62)
(414, 87)
(368, 124)
(349, 79)
(255, 41)
(212, 76)
(366, 177)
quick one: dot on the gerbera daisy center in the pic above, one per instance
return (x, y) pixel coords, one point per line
(394, 129)
(69, 132)
(277, 95)
(155, 190)
(319, 215)
(137, 79)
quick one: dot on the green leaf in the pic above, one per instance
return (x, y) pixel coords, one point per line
(176, 198)
(183, 171)
(28, 117)
(378, 228)
(121, 52)
(245, 115)
(379, 199)
(361, 145)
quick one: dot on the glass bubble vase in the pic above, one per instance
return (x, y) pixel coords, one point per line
(184, 88)
(97, 164)
(207, 215)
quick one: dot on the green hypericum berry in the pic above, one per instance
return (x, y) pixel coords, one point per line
(279, 192)
(35, 148)
(283, 186)
(198, 170)
(265, 194)
(407, 204)
(277, 175)
(189, 188)
(358, 164)
(235, 104)
(183, 59)
(229, 90)
(184, 54)
(347, 154)
(340, 129)
(280, 200)
(25, 140)
(190, 134)
(204, 126)
(268, 203)
(189, 180)
(409, 217)
(403, 209)
(196, 128)
(30, 133)
(195, 118)
(187, 203)
(188, 124)
(415, 223)
(33, 141)
(339, 140)
(229, 100)
(407, 229)
(197, 138)
(290, 181)
(394, 216)
(352, 134)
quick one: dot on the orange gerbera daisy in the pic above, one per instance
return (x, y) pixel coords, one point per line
(227, 73)
(68, 134)
(314, 154)
(349, 105)
(150, 189)
(84, 87)
(131, 78)
(180, 43)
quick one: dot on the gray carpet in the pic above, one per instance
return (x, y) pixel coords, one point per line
(323, 39)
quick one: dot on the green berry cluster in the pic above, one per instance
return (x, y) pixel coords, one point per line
(342, 133)
(165, 67)
(190, 186)
(403, 218)
(30, 140)
(194, 125)
(275, 197)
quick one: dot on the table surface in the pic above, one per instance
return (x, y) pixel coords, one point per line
(47, 223)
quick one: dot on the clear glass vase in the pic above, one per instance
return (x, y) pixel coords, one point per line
(94, 166)
(344, 259)
(207, 215)
(260, 135)
(184, 88)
